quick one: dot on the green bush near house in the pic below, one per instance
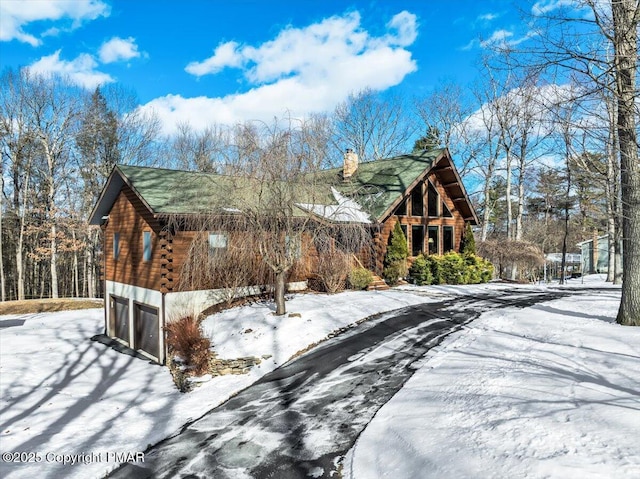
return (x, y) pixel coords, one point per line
(452, 268)
(420, 271)
(360, 278)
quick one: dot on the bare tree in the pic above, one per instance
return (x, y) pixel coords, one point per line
(371, 126)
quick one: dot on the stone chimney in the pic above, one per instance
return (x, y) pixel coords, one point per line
(350, 163)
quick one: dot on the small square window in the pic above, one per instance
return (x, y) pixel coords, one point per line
(217, 241)
(146, 245)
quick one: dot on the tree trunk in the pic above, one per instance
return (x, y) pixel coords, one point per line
(19, 262)
(2, 278)
(486, 215)
(625, 22)
(280, 288)
(507, 195)
(76, 274)
(54, 262)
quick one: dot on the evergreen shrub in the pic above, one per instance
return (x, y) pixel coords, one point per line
(395, 261)
(452, 268)
(359, 278)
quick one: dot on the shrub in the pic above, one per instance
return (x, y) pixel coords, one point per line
(395, 260)
(452, 268)
(359, 278)
(185, 339)
(420, 271)
(468, 242)
(333, 269)
(394, 272)
(435, 263)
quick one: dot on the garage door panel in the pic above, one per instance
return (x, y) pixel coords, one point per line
(147, 329)
(120, 318)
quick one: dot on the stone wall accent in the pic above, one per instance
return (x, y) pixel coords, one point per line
(222, 367)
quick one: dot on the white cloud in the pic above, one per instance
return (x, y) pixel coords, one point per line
(225, 55)
(118, 49)
(80, 71)
(406, 27)
(301, 71)
(545, 6)
(505, 38)
(15, 15)
(488, 17)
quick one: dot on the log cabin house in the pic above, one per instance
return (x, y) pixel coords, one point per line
(144, 255)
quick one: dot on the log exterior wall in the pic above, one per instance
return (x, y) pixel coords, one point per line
(381, 240)
(129, 220)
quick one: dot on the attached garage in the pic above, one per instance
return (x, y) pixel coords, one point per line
(134, 318)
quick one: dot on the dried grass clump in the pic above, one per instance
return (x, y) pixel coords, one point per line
(333, 268)
(185, 339)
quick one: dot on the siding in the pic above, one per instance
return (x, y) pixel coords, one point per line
(130, 218)
(457, 221)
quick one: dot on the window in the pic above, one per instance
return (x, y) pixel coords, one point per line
(434, 244)
(146, 245)
(447, 238)
(217, 242)
(116, 245)
(417, 240)
(417, 207)
(446, 212)
(404, 232)
(402, 208)
(432, 200)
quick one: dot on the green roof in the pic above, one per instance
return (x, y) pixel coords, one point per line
(375, 185)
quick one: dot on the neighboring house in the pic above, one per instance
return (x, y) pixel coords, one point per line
(144, 253)
(595, 254)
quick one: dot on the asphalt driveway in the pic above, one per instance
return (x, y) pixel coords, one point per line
(301, 419)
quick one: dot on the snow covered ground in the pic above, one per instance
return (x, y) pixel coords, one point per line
(548, 391)
(65, 398)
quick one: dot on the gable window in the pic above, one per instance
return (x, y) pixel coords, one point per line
(447, 238)
(417, 201)
(217, 242)
(146, 246)
(432, 199)
(446, 212)
(116, 245)
(434, 240)
(401, 210)
(417, 240)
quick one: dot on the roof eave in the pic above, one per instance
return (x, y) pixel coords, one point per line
(117, 179)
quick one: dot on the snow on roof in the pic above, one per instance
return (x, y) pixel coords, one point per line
(345, 211)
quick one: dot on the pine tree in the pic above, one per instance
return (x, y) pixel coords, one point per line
(468, 242)
(395, 261)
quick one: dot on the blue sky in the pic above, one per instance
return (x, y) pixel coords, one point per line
(225, 61)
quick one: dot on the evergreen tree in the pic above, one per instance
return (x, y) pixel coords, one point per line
(395, 261)
(430, 140)
(468, 242)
